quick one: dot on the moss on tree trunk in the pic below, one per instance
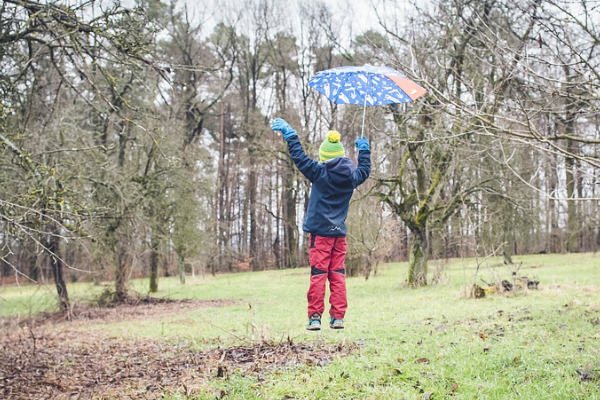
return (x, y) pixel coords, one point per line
(56, 263)
(181, 268)
(419, 249)
(154, 266)
(121, 274)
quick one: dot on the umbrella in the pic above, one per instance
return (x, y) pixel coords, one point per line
(366, 85)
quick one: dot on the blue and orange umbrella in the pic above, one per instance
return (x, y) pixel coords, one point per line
(366, 85)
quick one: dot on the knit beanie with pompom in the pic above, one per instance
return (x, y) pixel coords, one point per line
(331, 147)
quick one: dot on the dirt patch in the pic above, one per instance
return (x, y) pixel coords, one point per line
(575, 287)
(8, 280)
(72, 365)
(134, 311)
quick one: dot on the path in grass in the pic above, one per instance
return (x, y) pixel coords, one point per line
(45, 357)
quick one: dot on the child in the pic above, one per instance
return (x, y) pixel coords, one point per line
(333, 182)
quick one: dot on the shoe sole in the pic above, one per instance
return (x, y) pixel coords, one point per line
(313, 328)
(336, 327)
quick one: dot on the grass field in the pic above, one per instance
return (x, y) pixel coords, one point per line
(431, 342)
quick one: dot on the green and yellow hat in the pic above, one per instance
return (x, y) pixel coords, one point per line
(331, 147)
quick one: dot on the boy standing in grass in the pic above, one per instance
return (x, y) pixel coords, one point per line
(333, 182)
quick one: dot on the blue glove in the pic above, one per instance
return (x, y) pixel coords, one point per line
(362, 144)
(280, 125)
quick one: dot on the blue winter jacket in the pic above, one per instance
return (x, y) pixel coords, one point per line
(333, 184)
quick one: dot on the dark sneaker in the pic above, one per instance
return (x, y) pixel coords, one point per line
(335, 323)
(314, 323)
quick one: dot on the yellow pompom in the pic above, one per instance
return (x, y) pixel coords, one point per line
(333, 136)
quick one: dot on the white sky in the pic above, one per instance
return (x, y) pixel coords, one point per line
(359, 13)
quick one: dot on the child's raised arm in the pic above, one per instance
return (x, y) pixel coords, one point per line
(363, 170)
(305, 164)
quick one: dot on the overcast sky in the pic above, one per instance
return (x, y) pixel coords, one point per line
(359, 13)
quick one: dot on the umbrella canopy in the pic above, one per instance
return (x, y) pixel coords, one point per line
(366, 85)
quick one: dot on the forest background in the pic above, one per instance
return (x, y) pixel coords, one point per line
(135, 140)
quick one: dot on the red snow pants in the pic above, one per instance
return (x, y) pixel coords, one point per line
(326, 256)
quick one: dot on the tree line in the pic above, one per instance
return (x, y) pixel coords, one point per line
(135, 139)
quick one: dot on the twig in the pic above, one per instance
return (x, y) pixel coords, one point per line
(34, 341)
(224, 330)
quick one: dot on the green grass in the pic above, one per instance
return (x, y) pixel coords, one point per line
(29, 300)
(524, 345)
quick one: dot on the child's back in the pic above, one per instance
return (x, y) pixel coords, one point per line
(334, 181)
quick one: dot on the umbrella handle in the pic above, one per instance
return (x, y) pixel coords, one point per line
(362, 132)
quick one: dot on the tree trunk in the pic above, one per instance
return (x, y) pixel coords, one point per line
(57, 267)
(289, 216)
(34, 267)
(572, 241)
(506, 253)
(252, 210)
(154, 264)
(279, 224)
(419, 249)
(553, 242)
(181, 268)
(220, 194)
(507, 234)
(121, 274)
(572, 223)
